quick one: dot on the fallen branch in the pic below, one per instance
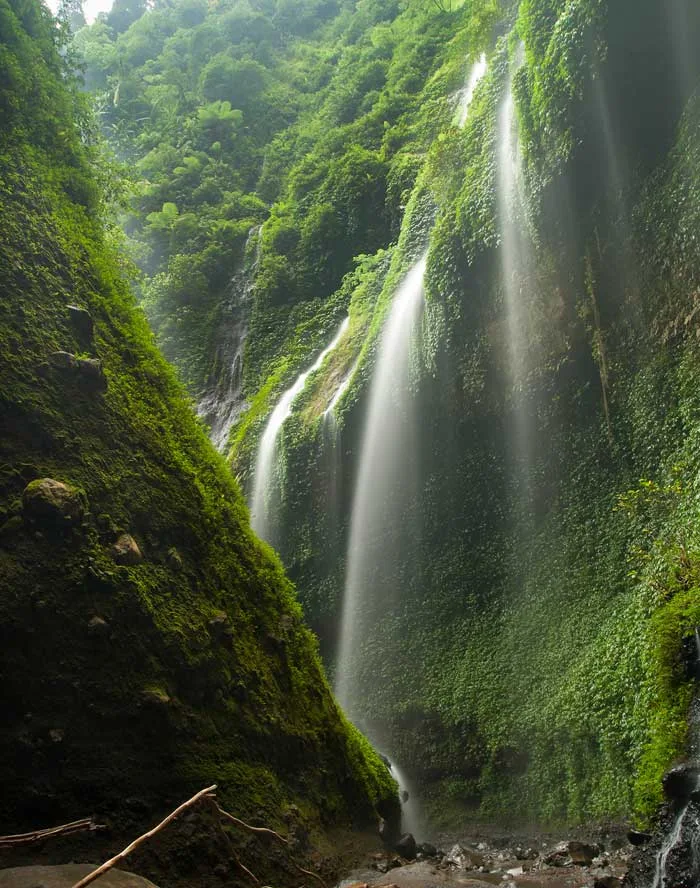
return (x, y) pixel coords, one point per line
(309, 873)
(95, 874)
(38, 835)
(253, 829)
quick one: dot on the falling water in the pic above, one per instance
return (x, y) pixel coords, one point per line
(467, 93)
(410, 815)
(261, 507)
(516, 271)
(221, 403)
(385, 479)
(669, 843)
(380, 474)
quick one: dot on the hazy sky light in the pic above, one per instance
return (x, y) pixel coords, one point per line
(90, 8)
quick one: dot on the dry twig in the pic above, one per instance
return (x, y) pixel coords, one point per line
(95, 874)
(38, 835)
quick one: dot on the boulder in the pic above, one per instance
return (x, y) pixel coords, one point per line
(581, 853)
(82, 322)
(406, 846)
(637, 838)
(680, 782)
(459, 856)
(62, 360)
(607, 882)
(91, 371)
(126, 551)
(427, 849)
(48, 502)
(66, 876)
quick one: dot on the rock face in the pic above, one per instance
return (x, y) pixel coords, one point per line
(680, 782)
(48, 502)
(126, 551)
(66, 876)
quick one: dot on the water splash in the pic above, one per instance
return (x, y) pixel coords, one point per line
(262, 506)
(466, 94)
(221, 403)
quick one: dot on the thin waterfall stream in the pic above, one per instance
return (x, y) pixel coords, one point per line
(261, 507)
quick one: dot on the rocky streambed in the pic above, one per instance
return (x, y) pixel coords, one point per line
(480, 861)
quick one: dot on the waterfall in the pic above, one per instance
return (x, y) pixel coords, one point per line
(467, 92)
(385, 479)
(380, 474)
(221, 402)
(669, 843)
(410, 815)
(262, 505)
(516, 270)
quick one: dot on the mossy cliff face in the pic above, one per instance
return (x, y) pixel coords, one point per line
(536, 659)
(150, 665)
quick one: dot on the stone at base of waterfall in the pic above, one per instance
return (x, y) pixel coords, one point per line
(66, 876)
(607, 882)
(568, 853)
(459, 856)
(680, 782)
(427, 849)
(406, 846)
(425, 875)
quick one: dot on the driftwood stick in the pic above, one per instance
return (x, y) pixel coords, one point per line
(253, 829)
(38, 835)
(309, 873)
(95, 874)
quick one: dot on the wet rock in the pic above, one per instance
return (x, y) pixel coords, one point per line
(607, 882)
(680, 782)
(558, 856)
(53, 503)
(427, 849)
(385, 760)
(406, 846)
(525, 853)
(82, 322)
(581, 853)
(459, 856)
(126, 551)
(638, 838)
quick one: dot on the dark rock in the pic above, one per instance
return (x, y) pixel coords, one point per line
(680, 782)
(638, 838)
(427, 849)
(126, 551)
(581, 853)
(82, 322)
(62, 360)
(607, 882)
(404, 796)
(49, 502)
(558, 856)
(385, 760)
(525, 853)
(406, 846)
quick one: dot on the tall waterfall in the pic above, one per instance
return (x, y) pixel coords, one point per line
(381, 472)
(516, 272)
(263, 503)
(385, 480)
(221, 403)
